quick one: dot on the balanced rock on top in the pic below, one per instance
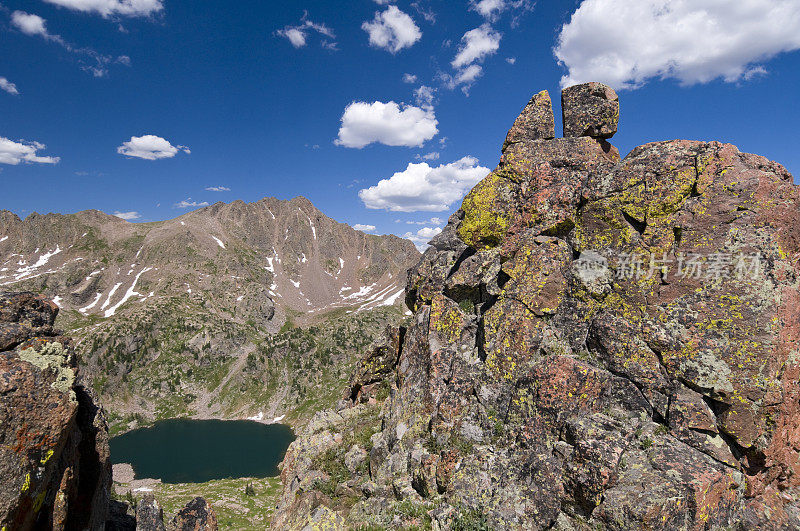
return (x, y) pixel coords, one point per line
(590, 109)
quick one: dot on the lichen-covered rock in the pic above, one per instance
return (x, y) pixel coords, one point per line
(149, 514)
(54, 460)
(596, 343)
(197, 515)
(536, 122)
(590, 109)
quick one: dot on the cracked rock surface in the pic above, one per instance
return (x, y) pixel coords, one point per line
(597, 342)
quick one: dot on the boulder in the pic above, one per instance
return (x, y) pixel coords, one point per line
(590, 109)
(536, 122)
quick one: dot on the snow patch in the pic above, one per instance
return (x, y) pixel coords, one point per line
(219, 242)
(110, 294)
(57, 300)
(86, 309)
(128, 294)
(296, 284)
(43, 259)
(4, 238)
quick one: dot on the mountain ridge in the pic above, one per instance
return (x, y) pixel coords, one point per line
(197, 296)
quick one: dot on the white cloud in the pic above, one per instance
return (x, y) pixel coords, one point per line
(625, 43)
(488, 8)
(127, 216)
(364, 228)
(433, 155)
(188, 203)
(421, 187)
(35, 25)
(511, 60)
(15, 152)
(106, 8)
(432, 221)
(491, 9)
(476, 45)
(8, 86)
(386, 123)
(32, 25)
(392, 30)
(424, 96)
(218, 189)
(298, 35)
(150, 147)
(425, 12)
(468, 75)
(409, 78)
(422, 236)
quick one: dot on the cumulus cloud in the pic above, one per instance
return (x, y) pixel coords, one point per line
(409, 78)
(8, 86)
(422, 236)
(298, 35)
(15, 152)
(364, 228)
(217, 189)
(476, 45)
(392, 30)
(107, 8)
(421, 187)
(150, 147)
(188, 203)
(127, 216)
(625, 43)
(386, 123)
(32, 25)
(36, 26)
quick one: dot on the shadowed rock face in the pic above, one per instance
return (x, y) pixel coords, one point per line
(54, 463)
(197, 515)
(596, 343)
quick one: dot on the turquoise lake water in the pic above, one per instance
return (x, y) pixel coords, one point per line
(195, 451)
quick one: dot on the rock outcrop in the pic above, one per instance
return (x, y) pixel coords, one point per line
(596, 343)
(197, 515)
(54, 460)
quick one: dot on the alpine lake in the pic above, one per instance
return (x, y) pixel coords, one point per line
(196, 451)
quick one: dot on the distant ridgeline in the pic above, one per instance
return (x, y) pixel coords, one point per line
(596, 343)
(230, 311)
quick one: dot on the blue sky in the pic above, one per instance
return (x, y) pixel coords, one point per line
(309, 97)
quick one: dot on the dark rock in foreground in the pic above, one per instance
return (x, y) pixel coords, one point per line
(597, 343)
(197, 515)
(54, 463)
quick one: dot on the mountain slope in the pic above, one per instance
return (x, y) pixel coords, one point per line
(168, 313)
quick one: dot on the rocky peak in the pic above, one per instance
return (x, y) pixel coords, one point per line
(596, 343)
(54, 459)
